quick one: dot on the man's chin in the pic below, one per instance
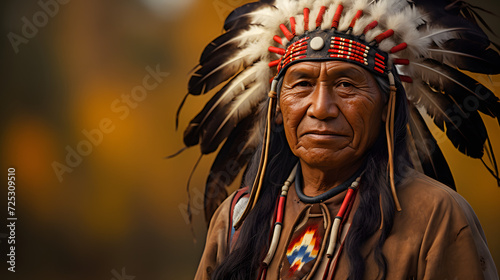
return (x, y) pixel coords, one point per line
(320, 157)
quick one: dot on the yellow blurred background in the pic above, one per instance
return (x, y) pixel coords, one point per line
(122, 205)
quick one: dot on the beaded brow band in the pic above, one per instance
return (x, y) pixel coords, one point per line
(341, 47)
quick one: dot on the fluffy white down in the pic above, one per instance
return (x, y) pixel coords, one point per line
(328, 16)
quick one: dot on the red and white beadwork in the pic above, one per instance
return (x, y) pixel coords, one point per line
(343, 45)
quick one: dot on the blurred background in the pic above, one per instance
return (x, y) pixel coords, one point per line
(95, 196)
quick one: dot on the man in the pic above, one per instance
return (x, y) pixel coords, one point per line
(333, 188)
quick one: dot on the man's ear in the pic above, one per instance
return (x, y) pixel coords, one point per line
(279, 117)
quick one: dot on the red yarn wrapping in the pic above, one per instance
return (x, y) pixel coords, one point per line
(356, 17)
(401, 61)
(274, 62)
(286, 32)
(278, 40)
(319, 19)
(276, 50)
(345, 203)
(384, 35)
(336, 17)
(306, 19)
(398, 48)
(370, 26)
(281, 208)
(292, 25)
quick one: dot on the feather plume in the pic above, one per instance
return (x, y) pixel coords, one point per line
(232, 157)
(328, 16)
(227, 118)
(468, 94)
(224, 45)
(237, 150)
(465, 129)
(240, 17)
(428, 152)
(380, 9)
(212, 73)
(299, 27)
(407, 18)
(349, 14)
(468, 55)
(222, 99)
(220, 46)
(270, 17)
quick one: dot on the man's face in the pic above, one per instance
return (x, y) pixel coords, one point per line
(332, 112)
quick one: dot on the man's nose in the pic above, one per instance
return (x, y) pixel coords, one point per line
(323, 103)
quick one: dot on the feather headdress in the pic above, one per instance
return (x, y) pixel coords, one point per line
(428, 42)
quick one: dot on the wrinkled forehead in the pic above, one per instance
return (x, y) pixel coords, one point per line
(332, 69)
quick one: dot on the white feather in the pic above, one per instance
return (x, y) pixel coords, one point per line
(360, 4)
(303, 4)
(429, 103)
(299, 24)
(286, 9)
(245, 102)
(268, 17)
(328, 16)
(254, 33)
(439, 34)
(417, 45)
(256, 51)
(380, 9)
(257, 131)
(370, 35)
(387, 44)
(442, 35)
(313, 14)
(258, 72)
(405, 20)
(436, 77)
(350, 11)
(450, 57)
(361, 24)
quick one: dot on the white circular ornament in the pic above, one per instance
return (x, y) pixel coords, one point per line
(317, 43)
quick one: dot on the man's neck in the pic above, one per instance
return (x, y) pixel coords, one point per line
(320, 180)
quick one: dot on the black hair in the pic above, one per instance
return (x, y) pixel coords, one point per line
(245, 260)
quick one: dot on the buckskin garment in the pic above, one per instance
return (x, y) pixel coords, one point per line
(436, 236)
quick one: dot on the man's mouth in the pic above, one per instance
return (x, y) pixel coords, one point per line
(324, 132)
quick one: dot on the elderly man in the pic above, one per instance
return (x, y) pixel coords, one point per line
(334, 187)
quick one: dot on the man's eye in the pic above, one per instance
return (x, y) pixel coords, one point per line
(345, 84)
(303, 84)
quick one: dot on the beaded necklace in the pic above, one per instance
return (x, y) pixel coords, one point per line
(296, 175)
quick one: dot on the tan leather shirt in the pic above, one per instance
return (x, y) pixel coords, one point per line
(436, 236)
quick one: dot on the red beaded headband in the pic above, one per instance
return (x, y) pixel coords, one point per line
(312, 46)
(333, 45)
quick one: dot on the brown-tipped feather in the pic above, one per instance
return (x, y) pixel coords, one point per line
(431, 158)
(464, 128)
(232, 157)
